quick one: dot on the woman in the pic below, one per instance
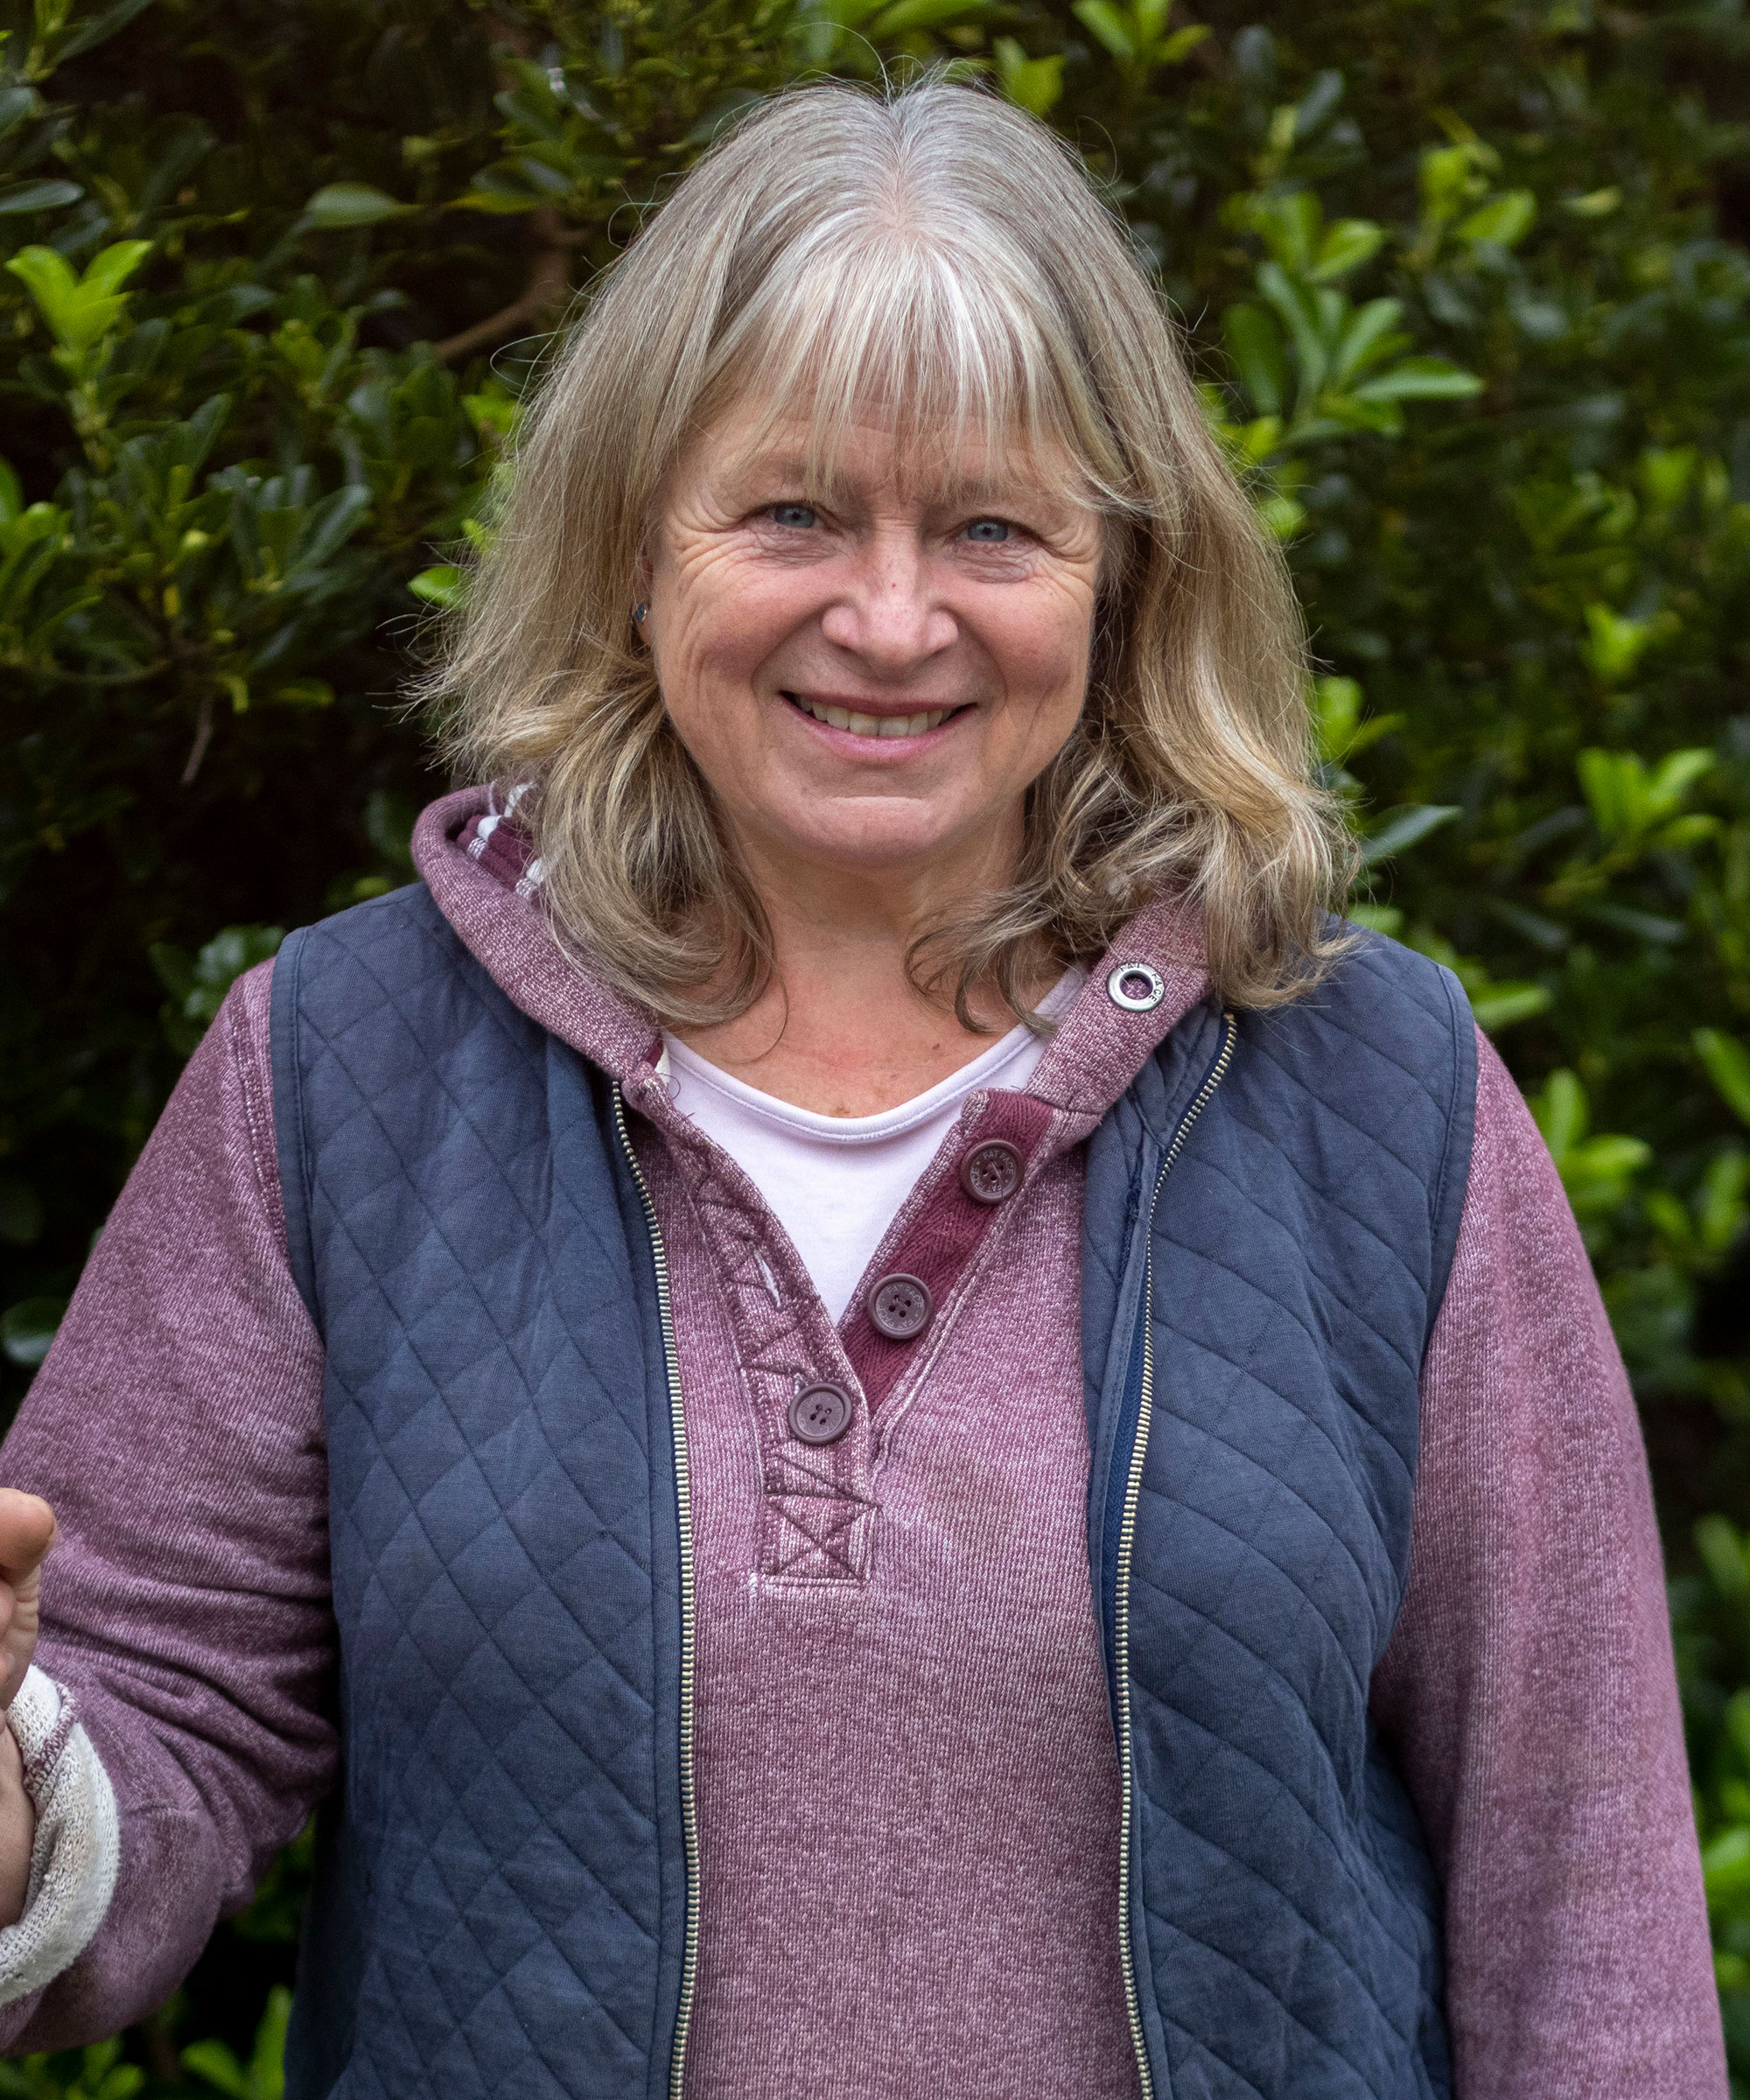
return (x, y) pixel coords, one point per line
(870, 1413)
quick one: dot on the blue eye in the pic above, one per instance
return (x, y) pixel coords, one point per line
(989, 532)
(796, 514)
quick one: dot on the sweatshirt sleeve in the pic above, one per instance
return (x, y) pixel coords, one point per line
(188, 1633)
(1528, 1690)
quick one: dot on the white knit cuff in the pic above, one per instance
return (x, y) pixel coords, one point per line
(78, 1841)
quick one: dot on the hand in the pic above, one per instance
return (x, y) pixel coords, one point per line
(27, 1530)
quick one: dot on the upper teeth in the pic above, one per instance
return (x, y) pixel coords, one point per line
(873, 725)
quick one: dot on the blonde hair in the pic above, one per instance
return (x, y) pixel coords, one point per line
(937, 251)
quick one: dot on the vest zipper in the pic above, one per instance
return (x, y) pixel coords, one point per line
(690, 1827)
(1127, 1533)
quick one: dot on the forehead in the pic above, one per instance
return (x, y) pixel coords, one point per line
(869, 447)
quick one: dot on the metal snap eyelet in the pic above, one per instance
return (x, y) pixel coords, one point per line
(1137, 987)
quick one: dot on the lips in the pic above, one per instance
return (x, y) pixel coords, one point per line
(859, 724)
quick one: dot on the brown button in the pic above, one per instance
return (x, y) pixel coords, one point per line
(820, 1414)
(992, 1172)
(899, 1306)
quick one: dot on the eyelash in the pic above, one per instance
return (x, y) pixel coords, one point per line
(776, 511)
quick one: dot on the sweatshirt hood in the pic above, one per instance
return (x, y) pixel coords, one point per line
(478, 863)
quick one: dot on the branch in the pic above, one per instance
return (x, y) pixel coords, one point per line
(203, 737)
(543, 297)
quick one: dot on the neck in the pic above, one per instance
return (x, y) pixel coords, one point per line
(840, 1028)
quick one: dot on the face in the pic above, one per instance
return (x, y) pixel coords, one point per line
(868, 681)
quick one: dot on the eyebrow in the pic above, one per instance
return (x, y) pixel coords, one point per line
(955, 491)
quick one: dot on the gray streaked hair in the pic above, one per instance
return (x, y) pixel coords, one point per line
(935, 252)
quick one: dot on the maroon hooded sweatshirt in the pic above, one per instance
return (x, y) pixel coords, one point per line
(907, 1784)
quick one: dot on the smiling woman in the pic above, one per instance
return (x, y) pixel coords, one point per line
(874, 1415)
(870, 683)
(898, 362)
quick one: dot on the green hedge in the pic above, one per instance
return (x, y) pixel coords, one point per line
(1467, 286)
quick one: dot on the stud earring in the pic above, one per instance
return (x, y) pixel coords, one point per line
(638, 612)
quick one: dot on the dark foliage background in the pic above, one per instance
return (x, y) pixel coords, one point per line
(1468, 285)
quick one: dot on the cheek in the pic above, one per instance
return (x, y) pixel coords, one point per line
(719, 620)
(1042, 652)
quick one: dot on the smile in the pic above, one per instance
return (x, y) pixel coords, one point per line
(871, 725)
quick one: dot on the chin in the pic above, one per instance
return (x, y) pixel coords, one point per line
(871, 847)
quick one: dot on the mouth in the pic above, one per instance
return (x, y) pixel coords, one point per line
(884, 727)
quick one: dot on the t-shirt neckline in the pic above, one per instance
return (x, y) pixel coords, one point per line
(985, 1070)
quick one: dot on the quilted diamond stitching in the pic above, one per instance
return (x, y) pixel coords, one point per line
(1304, 1211)
(523, 1657)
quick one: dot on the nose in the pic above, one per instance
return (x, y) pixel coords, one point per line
(889, 614)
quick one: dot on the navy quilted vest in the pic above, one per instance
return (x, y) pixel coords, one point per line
(503, 1901)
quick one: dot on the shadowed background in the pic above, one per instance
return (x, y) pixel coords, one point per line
(1468, 287)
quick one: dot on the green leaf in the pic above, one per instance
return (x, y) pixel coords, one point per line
(1728, 1067)
(198, 987)
(1421, 379)
(1254, 341)
(217, 2065)
(304, 692)
(27, 1329)
(1504, 220)
(1677, 771)
(1336, 715)
(1726, 1870)
(1181, 45)
(1348, 244)
(1324, 92)
(1033, 84)
(1104, 21)
(1560, 1113)
(340, 204)
(1726, 1556)
(1296, 308)
(1282, 514)
(267, 2060)
(1614, 644)
(920, 14)
(1367, 337)
(1501, 1004)
(1289, 226)
(1378, 918)
(99, 28)
(389, 824)
(110, 268)
(80, 310)
(45, 196)
(442, 587)
(1403, 828)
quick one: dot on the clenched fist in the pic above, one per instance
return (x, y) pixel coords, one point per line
(27, 1530)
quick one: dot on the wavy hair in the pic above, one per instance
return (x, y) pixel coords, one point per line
(936, 251)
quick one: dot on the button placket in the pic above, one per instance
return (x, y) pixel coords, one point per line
(817, 1502)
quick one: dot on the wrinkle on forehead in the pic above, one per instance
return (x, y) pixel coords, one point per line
(958, 360)
(829, 456)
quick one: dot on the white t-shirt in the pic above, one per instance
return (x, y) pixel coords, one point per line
(835, 1183)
